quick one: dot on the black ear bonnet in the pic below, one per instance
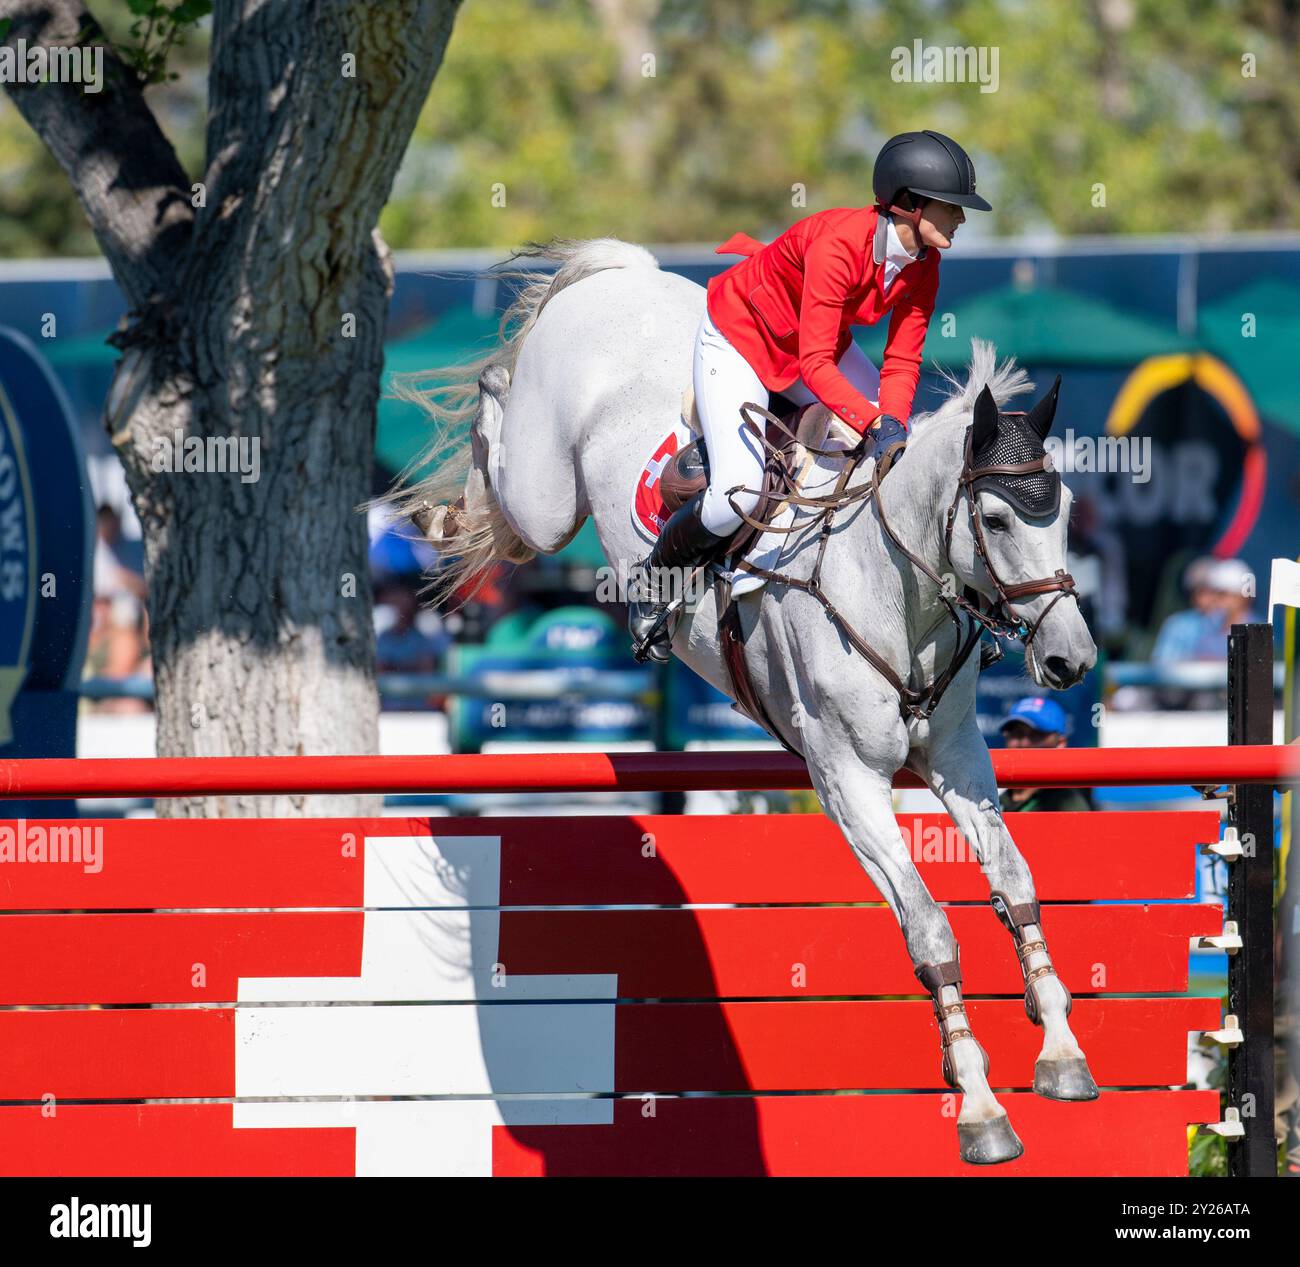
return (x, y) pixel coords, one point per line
(1001, 439)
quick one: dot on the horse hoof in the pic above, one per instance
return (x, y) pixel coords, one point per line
(1067, 1079)
(988, 1143)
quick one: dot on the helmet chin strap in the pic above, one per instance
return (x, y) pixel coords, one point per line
(913, 217)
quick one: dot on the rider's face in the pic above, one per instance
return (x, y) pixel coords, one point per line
(939, 221)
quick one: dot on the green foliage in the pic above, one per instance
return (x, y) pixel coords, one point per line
(673, 121)
(795, 801)
(39, 213)
(1132, 116)
(159, 27)
(1207, 1157)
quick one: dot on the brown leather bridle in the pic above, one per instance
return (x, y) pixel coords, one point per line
(1060, 581)
(919, 704)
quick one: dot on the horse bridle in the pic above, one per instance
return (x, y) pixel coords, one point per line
(919, 704)
(1060, 581)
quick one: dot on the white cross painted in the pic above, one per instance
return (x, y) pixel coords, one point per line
(654, 467)
(434, 941)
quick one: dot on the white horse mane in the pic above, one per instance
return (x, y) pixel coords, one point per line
(1004, 380)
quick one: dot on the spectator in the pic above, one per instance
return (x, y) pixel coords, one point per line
(397, 551)
(408, 641)
(118, 644)
(1220, 592)
(117, 564)
(1040, 723)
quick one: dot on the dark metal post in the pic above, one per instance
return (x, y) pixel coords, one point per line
(672, 800)
(1250, 905)
(1288, 911)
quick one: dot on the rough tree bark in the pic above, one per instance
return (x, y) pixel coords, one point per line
(258, 306)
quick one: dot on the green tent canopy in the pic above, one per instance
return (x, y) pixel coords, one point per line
(458, 335)
(1263, 357)
(1041, 325)
(79, 351)
(584, 550)
(1036, 326)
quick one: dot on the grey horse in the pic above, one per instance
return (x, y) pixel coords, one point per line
(555, 424)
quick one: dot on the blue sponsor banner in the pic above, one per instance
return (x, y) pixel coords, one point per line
(571, 643)
(46, 526)
(699, 712)
(581, 639)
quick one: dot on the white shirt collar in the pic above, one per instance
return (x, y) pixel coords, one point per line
(895, 253)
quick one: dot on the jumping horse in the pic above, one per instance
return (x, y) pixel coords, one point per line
(858, 650)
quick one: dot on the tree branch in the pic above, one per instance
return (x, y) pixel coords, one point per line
(123, 169)
(315, 112)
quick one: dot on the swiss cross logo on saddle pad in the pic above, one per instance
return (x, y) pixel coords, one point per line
(648, 511)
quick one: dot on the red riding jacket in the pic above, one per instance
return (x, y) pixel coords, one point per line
(787, 309)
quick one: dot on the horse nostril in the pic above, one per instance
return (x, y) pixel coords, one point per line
(1059, 668)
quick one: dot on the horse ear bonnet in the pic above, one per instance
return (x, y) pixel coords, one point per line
(1019, 438)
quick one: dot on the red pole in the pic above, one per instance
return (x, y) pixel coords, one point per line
(607, 772)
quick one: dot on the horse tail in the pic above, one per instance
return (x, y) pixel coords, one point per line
(446, 490)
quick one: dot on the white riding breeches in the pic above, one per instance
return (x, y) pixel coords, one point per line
(724, 381)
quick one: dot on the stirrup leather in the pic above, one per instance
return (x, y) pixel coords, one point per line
(1014, 918)
(934, 976)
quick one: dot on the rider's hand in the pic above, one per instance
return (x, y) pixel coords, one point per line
(867, 436)
(885, 433)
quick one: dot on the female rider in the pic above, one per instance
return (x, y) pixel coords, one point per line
(779, 320)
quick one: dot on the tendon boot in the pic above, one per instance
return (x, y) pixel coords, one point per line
(657, 600)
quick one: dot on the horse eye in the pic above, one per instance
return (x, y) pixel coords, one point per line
(996, 523)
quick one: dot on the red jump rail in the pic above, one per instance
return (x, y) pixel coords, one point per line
(609, 772)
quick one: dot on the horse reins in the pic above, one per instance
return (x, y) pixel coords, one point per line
(920, 704)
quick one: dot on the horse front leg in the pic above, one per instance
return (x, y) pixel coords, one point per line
(859, 800)
(960, 773)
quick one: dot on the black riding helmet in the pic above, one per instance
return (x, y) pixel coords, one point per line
(929, 165)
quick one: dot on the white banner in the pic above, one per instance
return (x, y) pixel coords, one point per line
(1284, 585)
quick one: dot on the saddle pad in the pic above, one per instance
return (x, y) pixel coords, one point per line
(648, 511)
(817, 474)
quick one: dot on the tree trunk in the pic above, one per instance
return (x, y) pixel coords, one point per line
(260, 605)
(258, 309)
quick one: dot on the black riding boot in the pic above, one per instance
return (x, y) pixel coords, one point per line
(684, 543)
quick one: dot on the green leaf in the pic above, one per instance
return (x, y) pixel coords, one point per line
(143, 8)
(191, 11)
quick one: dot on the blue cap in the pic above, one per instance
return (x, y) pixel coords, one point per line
(1044, 715)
